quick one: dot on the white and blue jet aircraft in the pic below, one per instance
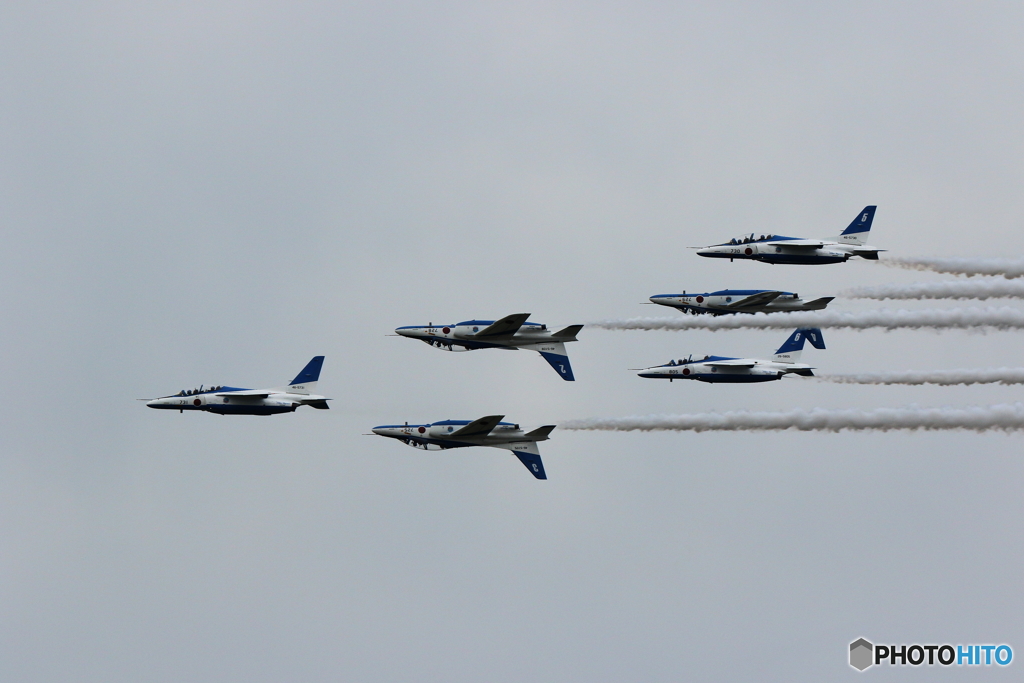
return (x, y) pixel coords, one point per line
(723, 369)
(486, 431)
(237, 401)
(511, 332)
(728, 301)
(779, 249)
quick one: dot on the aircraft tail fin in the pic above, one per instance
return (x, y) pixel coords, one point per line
(529, 455)
(305, 381)
(554, 354)
(790, 351)
(857, 232)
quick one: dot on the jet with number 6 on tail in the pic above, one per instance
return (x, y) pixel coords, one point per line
(779, 249)
(487, 431)
(237, 401)
(511, 333)
(722, 369)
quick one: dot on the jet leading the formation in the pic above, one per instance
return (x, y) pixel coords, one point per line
(740, 301)
(742, 370)
(487, 431)
(779, 249)
(237, 401)
(511, 332)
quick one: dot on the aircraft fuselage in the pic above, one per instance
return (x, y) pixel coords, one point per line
(789, 250)
(223, 402)
(715, 369)
(730, 301)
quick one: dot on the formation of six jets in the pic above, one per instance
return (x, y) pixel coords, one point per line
(513, 332)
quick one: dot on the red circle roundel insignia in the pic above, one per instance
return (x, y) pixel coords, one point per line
(748, 251)
(686, 371)
(197, 402)
(446, 330)
(422, 429)
(700, 299)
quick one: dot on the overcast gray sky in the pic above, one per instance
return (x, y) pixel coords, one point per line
(215, 192)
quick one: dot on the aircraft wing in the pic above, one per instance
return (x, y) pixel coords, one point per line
(799, 244)
(481, 427)
(756, 300)
(505, 327)
(249, 393)
(734, 363)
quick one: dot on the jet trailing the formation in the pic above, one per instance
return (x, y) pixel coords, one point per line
(237, 401)
(721, 369)
(740, 301)
(511, 332)
(779, 249)
(487, 431)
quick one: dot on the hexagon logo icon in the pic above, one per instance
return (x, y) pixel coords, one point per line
(861, 652)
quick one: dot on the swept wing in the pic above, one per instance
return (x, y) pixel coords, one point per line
(477, 428)
(759, 299)
(506, 327)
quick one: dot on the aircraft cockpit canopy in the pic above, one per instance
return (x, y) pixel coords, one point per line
(752, 237)
(200, 390)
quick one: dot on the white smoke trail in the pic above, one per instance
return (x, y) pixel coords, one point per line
(1009, 268)
(1006, 417)
(949, 289)
(941, 377)
(1003, 318)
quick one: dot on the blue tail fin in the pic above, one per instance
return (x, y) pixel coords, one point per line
(561, 365)
(554, 353)
(795, 344)
(862, 223)
(310, 373)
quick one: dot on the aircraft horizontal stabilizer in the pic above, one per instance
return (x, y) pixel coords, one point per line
(506, 327)
(818, 304)
(803, 373)
(540, 433)
(569, 333)
(481, 427)
(319, 405)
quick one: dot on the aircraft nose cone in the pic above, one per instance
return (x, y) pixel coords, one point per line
(405, 331)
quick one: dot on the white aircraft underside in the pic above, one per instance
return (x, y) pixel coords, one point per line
(511, 333)
(723, 369)
(771, 248)
(728, 301)
(487, 431)
(237, 401)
